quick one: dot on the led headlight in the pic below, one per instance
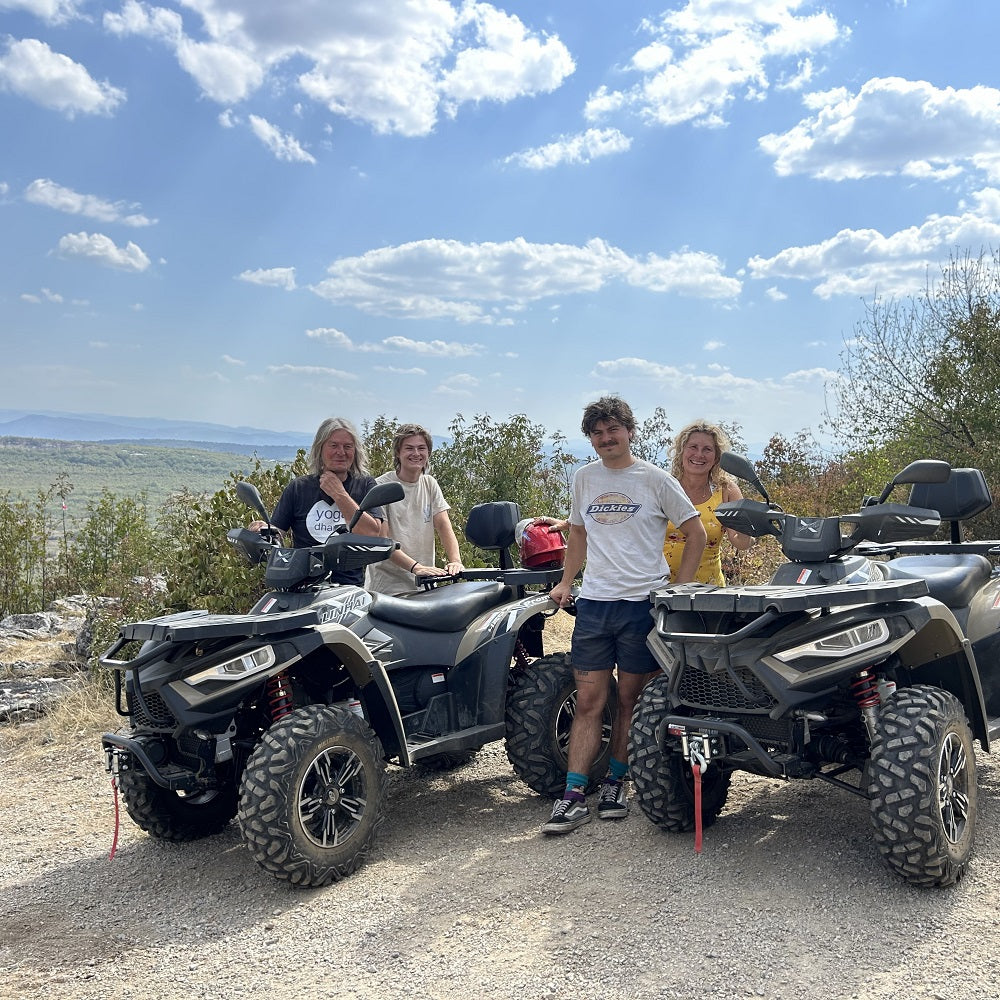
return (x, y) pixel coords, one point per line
(849, 641)
(236, 669)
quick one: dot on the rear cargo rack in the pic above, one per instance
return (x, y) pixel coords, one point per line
(783, 600)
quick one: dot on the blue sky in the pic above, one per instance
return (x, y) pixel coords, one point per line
(260, 213)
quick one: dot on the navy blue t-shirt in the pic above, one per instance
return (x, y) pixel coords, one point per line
(312, 517)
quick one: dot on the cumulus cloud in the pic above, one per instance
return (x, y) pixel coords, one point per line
(30, 69)
(284, 147)
(100, 248)
(859, 262)
(397, 69)
(458, 385)
(50, 11)
(793, 398)
(311, 370)
(702, 57)
(581, 148)
(487, 282)
(46, 192)
(892, 127)
(431, 348)
(273, 277)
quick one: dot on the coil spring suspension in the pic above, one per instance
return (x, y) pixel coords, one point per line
(279, 696)
(864, 689)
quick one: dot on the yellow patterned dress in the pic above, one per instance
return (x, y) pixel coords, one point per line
(710, 568)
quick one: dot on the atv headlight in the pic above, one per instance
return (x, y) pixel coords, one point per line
(236, 669)
(849, 641)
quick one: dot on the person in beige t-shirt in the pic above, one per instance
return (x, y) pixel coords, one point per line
(415, 520)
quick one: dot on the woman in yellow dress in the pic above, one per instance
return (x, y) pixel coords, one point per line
(695, 464)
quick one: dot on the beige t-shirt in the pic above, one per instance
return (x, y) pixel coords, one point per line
(411, 523)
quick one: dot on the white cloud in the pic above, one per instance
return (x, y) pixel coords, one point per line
(775, 294)
(702, 57)
(45, 192)
(285, 147)
(480, 282)
(396, 67)
(892, 127)
(229, 360)
(505, 60)
(32, 70)
(794, 400)
(435, 348)
(458, 385)
(101, 248)
(581, 148)
(50, 11)
(311, 370)
(274, 277)
(713, 345)
(391, 370)
(859, 262)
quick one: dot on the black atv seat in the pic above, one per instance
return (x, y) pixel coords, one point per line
(951, 579)
(446, 609)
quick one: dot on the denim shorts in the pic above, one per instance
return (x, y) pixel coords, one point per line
(613, 632)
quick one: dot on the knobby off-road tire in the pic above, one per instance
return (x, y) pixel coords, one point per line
(541, 705)
(922, 786)
(312, 797)
(664, 786)
(174, 816)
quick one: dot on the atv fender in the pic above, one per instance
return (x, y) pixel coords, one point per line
(503, 624)
(940, 655)
(372, 682)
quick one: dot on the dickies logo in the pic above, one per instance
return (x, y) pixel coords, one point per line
(612, 508)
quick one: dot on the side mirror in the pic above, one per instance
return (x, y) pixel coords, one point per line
(377, 496)
(250, 495)
(924, 470)
(742, 468)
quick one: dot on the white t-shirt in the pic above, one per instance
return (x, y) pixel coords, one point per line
(625, 512)
(411, 523)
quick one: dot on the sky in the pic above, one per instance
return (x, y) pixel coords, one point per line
(263, 214)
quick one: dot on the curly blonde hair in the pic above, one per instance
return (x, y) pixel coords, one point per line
(701, 426)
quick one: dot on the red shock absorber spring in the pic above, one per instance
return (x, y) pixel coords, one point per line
(864, 687)
(279, 696)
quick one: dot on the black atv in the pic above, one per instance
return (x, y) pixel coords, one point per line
(873, 675)
(285, 717)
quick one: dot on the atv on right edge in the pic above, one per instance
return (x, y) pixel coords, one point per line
(874, 675)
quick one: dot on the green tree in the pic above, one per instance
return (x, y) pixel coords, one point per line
(921, 376)
(484, 460)
(25, 570)
(207, 572)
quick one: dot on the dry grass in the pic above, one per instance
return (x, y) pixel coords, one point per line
(82, 713)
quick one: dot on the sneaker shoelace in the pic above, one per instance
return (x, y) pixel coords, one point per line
(610, 791)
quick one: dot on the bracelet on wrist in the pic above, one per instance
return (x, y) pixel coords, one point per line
(416, 563)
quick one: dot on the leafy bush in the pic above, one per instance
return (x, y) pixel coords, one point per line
(206, 571)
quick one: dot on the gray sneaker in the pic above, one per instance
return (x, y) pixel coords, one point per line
(611, 803)
(567, 814)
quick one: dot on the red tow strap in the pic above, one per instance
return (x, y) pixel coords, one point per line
(114, 842)
(696, 775)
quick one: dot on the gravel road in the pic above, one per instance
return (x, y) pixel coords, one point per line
(464, 898)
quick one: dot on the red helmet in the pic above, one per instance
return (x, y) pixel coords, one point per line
(539, 546)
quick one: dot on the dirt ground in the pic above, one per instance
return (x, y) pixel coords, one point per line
(464, 897)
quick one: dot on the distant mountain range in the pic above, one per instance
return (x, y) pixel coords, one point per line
(150, 430)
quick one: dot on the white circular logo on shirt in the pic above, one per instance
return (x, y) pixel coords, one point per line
(323, 520)
(612, 508)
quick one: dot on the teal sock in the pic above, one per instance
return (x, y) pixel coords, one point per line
(617, 770)
(576, 783)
